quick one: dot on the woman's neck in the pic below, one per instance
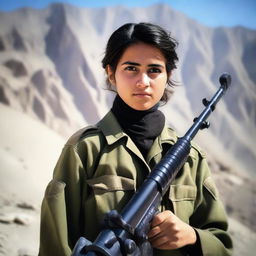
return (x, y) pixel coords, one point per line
(142, 126)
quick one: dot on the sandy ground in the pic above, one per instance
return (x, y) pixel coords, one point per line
(28, 153)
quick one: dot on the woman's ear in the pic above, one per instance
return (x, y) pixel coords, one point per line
(111, 75)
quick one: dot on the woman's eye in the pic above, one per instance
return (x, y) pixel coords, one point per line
(154, 70)
(131, 68)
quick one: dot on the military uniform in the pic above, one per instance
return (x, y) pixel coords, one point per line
(100, 168)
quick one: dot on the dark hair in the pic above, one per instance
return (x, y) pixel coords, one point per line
(132, 33)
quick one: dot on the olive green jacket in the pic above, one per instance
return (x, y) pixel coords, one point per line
(100, 168)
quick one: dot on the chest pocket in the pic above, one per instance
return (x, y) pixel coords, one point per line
(110, 192)
(183, 199)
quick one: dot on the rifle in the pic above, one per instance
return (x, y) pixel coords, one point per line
(125, 234)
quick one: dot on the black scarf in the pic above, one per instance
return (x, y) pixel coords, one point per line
(142, 126)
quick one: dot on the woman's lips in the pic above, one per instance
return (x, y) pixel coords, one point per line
(142, 95)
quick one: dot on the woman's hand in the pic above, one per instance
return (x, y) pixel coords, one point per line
(169, 232)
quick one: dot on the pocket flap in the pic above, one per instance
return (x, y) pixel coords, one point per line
(111, 183)
(182, 192)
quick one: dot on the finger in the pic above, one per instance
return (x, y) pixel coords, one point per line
(160, 217)
(154, 231)
(162, 228)
(158, 241)
(164, 242)
(167, 246)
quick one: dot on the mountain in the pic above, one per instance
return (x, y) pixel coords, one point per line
(50, 70)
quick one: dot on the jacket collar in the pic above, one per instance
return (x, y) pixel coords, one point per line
(113, 133)
(167, 136)
(111, 128)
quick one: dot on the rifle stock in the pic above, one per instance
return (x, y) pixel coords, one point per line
(126, 233)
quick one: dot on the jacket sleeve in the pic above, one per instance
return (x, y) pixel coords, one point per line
(209, 218)
(60, 211)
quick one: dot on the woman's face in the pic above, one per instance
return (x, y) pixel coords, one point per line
(140, 77)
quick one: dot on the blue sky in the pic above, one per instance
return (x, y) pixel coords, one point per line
(208, 12)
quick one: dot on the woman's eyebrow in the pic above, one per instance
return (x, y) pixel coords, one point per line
(131, 63)
(156, 65)
(137, 64)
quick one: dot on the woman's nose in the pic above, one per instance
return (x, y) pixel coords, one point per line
(143, 81)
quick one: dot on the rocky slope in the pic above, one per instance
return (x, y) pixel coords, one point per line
(50, 69)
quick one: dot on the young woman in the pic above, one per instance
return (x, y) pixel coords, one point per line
(101, 166)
